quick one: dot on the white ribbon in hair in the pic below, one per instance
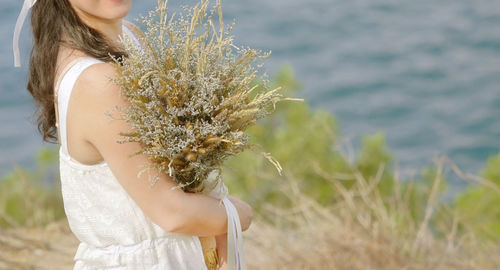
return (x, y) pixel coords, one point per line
(19, 24)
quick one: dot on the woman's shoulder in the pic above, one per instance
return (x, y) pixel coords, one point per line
(98, 101)
(97, 83)
(96, 75)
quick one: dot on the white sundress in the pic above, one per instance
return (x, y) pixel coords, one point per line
(114, 232)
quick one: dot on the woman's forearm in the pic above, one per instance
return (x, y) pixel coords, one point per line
(200, 215)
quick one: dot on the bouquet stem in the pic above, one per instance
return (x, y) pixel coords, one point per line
(208, 245)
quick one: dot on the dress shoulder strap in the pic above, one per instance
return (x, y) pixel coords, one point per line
(64, 92)
(130, 33)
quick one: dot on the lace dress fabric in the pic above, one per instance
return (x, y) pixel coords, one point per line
(113, 231)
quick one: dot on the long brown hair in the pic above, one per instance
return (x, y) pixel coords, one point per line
(50, 19)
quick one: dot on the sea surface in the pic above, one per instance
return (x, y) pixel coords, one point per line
(426, 73)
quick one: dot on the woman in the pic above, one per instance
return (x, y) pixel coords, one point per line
(121, 221)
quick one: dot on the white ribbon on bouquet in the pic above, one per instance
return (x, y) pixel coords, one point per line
(235, 254)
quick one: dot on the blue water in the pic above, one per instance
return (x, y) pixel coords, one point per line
(427, 73)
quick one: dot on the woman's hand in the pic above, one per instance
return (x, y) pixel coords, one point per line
(221, 244)
(245, 212)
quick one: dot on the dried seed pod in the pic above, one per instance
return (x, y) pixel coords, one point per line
(212, 141)
(178, 162)
(144, 99)
(145, 77)
(136, 83)
(214, 100)
(237, 142)
(186, 150)
(139, 104)
(191, 156)
(188, 168)
(130, 134)
(163, 91)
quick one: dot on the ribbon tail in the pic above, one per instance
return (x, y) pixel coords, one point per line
(240, 242)
(235, 258)
(17, 30)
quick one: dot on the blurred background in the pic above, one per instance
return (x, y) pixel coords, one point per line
(402, 100)
(427, 73)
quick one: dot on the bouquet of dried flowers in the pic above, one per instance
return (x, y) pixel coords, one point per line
(190, 91)
(190, 94)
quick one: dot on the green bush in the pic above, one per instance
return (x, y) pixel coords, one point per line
(31, 197)
(478, 206)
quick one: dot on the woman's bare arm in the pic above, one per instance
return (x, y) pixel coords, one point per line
(173, 210)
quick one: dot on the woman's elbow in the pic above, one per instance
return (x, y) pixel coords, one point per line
(168, 213)
(174, 223)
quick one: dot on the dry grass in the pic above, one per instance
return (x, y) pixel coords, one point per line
(51, 247)
(362, 230)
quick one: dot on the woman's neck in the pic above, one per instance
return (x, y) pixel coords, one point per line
(111, 29)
